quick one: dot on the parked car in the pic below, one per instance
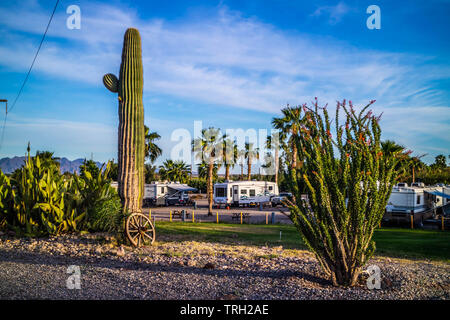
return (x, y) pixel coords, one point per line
(277, 200)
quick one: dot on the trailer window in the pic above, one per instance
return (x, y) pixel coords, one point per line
(235, 191)
(243, 191)
(252, 192)
(162, 189)
(220, 192)
(418, 199)
(270, 188)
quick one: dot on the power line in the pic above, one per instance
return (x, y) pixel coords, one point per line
(35, 56)
(27, 76)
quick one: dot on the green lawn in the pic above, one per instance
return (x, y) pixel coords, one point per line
(403, 243)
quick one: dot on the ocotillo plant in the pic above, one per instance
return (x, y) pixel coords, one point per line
(349, 181)
(131, 143)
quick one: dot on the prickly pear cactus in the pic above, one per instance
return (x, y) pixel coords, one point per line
(131, 143)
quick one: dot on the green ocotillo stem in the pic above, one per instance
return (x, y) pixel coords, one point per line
(131, 145)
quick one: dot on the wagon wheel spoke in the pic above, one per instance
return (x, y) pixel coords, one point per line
(139, 240)
(145, 234)
(135, 237)
(145, 223)
(135, 221)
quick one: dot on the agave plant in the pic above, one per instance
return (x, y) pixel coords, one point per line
(5, 198)
(38, 200)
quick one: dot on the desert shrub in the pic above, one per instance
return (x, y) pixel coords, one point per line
(349, 180)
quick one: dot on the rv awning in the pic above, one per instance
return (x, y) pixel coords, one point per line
(439, 194)
(181, 188)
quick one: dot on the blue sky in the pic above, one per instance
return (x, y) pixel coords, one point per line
(229, 64)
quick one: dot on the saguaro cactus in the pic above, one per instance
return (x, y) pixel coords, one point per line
(131, 143)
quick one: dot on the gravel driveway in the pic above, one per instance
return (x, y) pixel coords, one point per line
(171, 269)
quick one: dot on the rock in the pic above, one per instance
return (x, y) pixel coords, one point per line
(209, 266)
(386, 283)
(120, 252)
(190, 263)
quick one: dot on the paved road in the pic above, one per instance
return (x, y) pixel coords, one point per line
(225, 215)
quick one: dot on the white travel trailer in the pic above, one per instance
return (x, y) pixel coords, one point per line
(405, 199)
(244, 193)
(417, 200)
(166, 193)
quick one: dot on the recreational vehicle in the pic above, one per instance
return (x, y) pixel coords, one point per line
(166, 193)
(417, 200)
(244, 193)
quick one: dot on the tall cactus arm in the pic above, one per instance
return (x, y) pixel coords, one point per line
(111, 82)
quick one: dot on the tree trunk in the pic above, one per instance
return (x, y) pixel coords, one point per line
(227, 172)
(294, 156)
(210, 187)
(249, 170)
(413, 178)
(276, 165)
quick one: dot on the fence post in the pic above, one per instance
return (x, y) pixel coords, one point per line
(193, 216)
(442, 223)
(150, 214)
(170, 215)
(217, 216)
(267, 218)
(183, 215)
(273, 217)
(241, 217)
(412, 221)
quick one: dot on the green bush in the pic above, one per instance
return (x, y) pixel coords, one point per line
(37, 200)
(106, 215)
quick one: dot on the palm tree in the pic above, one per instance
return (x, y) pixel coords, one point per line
(152, 151)
(390, 147)
(289, 127)
(230, 155)
(174, 171)
(209, 148)
(250, 154)
(203, 169)
(415, 163)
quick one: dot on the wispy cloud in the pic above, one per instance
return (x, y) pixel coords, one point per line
(228, 60)
(333, 13)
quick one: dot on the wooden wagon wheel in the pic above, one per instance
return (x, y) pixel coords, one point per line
(140, 230)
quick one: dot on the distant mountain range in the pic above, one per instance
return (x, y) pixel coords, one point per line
(8, 165)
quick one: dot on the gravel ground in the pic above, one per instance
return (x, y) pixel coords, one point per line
(170, 269)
